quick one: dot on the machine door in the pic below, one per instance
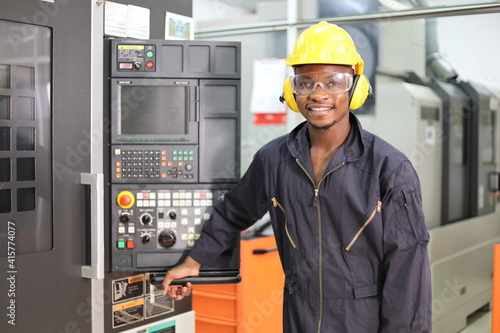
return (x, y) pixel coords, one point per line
(482, 147)
(456, 194)
(220, 105)
(44, 148)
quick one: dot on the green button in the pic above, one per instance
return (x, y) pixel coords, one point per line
(121, 244)
(191, 152)
(175, 152)
(149, 54)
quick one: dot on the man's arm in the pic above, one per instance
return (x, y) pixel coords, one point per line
(406, 297)
(242, 206)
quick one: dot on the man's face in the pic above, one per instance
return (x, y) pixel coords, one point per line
(321, 108)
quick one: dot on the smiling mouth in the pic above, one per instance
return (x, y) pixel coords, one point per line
(320, 110)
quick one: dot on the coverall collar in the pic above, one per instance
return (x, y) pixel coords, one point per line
(351, 150)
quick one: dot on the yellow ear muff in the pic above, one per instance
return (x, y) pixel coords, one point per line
(288, 96)
(360, 91)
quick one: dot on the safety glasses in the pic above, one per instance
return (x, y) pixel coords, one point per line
(331, 82)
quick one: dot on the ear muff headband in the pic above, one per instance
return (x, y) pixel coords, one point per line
(359, 92)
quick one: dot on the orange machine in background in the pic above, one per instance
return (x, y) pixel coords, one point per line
(495, 311)
(252, 306)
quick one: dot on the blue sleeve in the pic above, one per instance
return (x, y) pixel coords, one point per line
(406, 297)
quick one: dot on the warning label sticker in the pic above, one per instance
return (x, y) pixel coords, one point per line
(128, 288)
(128, 312)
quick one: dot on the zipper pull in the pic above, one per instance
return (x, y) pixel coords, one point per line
(315, 199)
(404, 199)
(275, 203)
(379, 206)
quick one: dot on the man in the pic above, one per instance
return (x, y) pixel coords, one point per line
(345, 206)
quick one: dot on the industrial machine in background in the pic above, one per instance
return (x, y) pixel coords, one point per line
(448, 128)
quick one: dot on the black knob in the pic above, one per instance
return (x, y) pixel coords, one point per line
(167, 238)
(137, 65)
(172, 215)
(124, 218)
(146, 218)
(146, 238)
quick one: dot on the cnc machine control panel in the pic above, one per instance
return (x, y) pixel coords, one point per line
(155, 226)
(174, 148)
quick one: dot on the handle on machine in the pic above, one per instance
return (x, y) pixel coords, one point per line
(197, 104)
(494, 181)
(157, 279)
(96, 268)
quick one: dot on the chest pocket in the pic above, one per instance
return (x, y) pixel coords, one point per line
(352, 240)
(278, 206)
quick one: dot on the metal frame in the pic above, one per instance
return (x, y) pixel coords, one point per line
(291, 22)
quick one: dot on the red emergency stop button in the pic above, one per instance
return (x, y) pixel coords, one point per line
(125, 199)
(150, 64)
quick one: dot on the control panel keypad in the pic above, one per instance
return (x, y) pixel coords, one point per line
(140, 163)
(134, 165)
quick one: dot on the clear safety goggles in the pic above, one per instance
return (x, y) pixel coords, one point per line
(331, 82)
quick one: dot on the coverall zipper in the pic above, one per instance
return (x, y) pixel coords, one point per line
(376, 210)
(277, 204)
(320, 231)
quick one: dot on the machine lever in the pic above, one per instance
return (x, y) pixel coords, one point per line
(157, 279)
(264, 251)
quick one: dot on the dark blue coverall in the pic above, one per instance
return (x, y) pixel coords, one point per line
(353, 248)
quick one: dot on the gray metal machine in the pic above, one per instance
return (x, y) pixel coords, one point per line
(174, 148)
(107, 173)
(173, 152)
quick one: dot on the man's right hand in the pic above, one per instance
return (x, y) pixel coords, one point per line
(188, 268)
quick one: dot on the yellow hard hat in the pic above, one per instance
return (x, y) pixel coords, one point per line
(325, 43)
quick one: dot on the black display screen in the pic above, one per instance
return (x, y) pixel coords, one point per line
(153, 110)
